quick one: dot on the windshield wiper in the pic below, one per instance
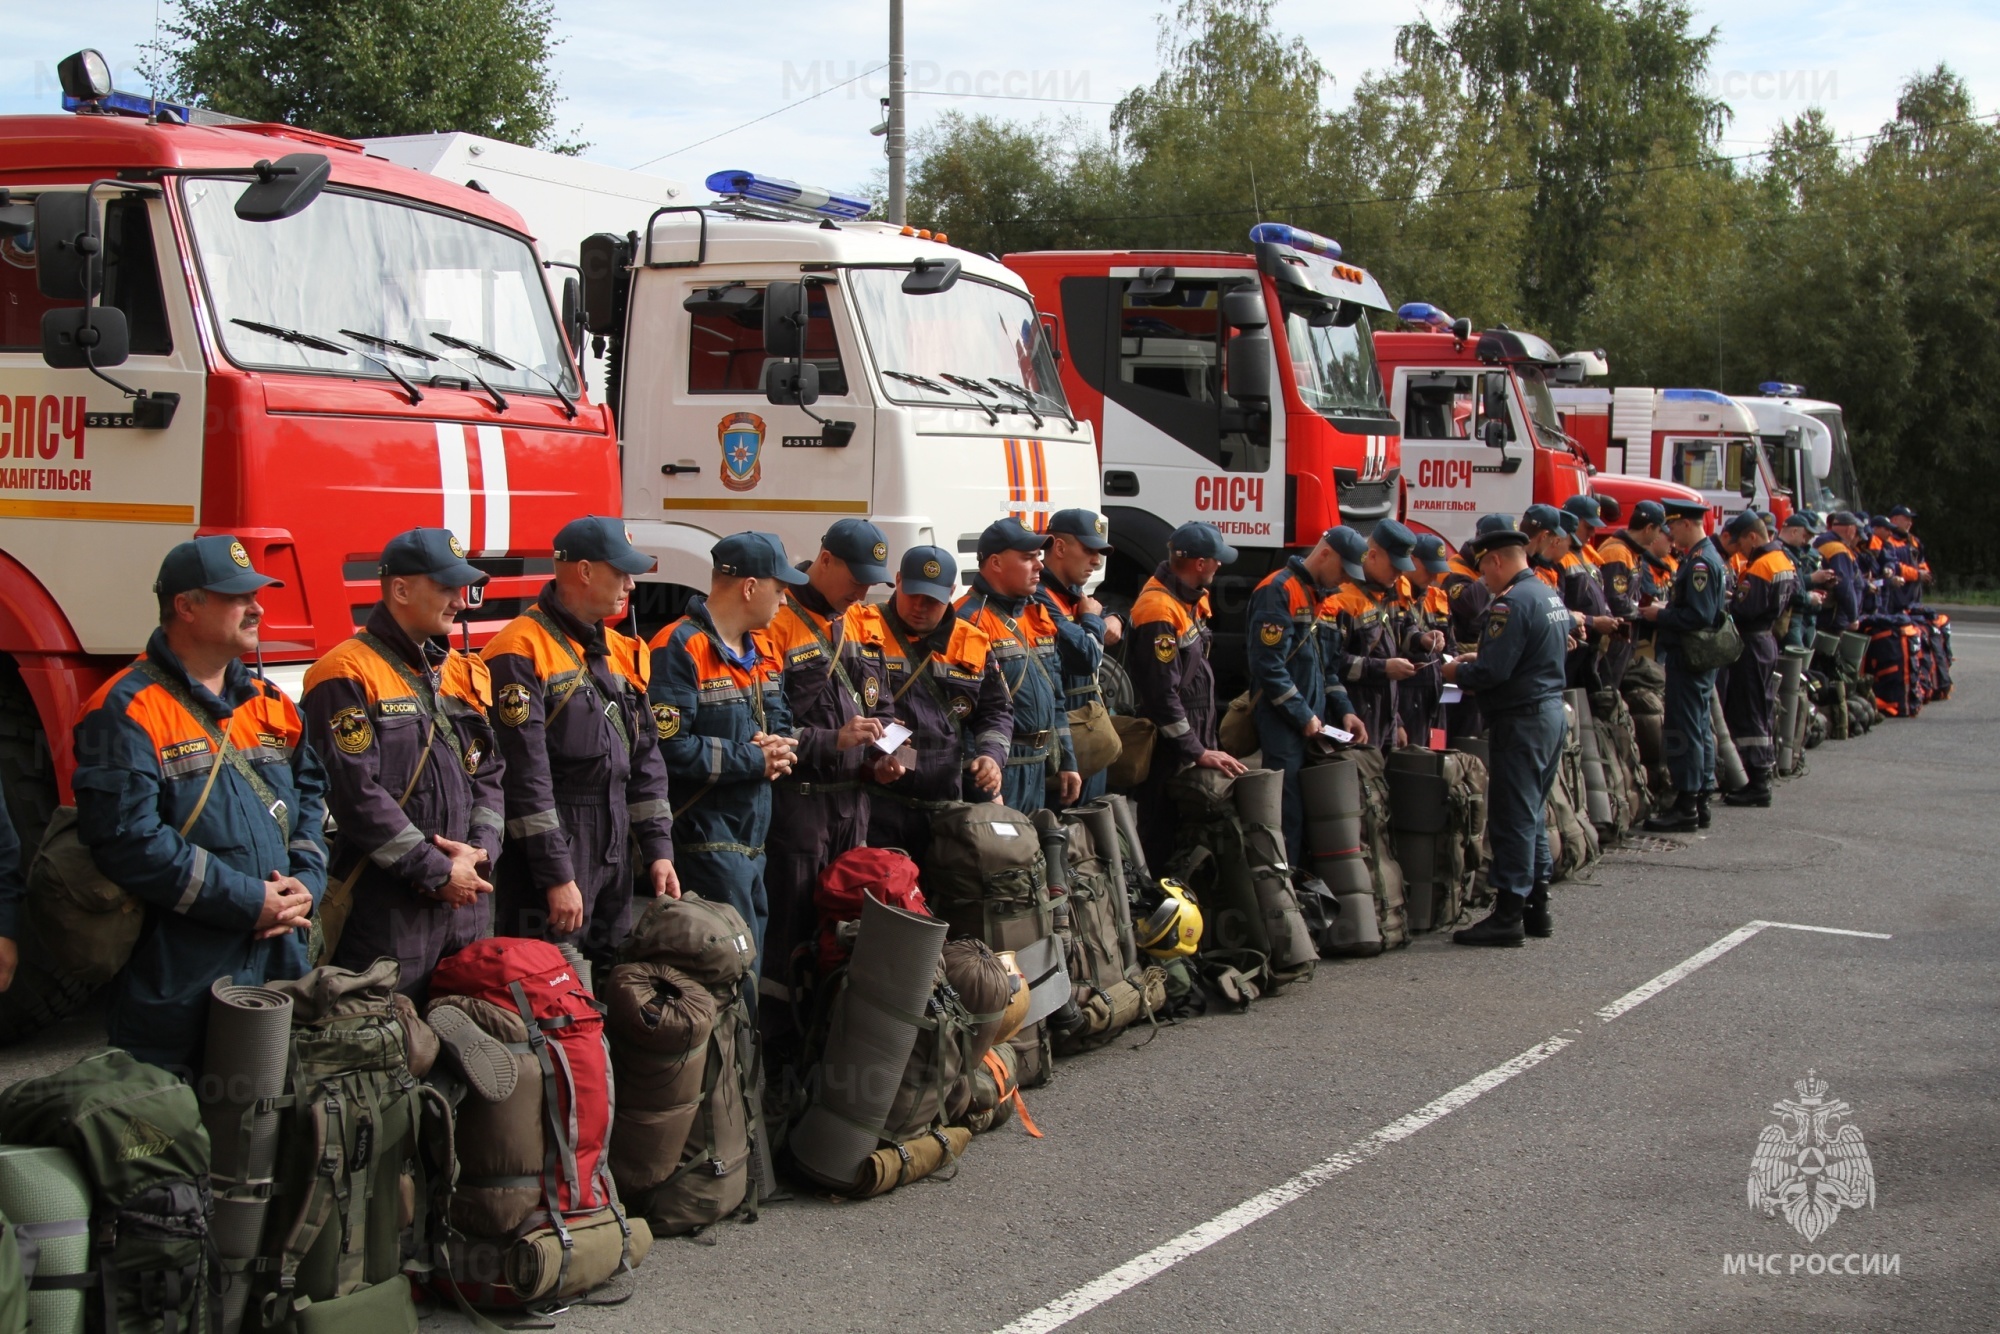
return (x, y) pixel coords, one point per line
(1031, 397)
(318, 344)
(492, 358)
(921, 381)
(391, 345)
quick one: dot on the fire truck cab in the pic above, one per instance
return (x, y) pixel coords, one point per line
(1239, 389)
(778, 363)
(213, 326)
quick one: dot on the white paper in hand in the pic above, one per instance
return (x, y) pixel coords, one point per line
(1340, 734)
(892, 738)
(1452, 695)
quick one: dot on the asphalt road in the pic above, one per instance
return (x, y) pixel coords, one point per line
(1480, 1149)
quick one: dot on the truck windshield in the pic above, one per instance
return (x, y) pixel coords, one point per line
(973, 330)
(1335, 367)
(1840, 488)
(379, 268)
(1542, 410)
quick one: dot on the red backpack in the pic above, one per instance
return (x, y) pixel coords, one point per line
(885, 872)
(566, 1035)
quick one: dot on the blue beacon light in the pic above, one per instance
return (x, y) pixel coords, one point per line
(1424, 313)
(1779, 389)
(775, 190)
(1298, 238)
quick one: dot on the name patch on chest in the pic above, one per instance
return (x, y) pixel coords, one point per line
(397, 708)
(183, 750)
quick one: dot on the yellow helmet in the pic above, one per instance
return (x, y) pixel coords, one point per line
(1171, 930)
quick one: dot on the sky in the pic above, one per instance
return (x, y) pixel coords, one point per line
(646, 84)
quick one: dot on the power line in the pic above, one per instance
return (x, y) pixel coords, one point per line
(766, 116)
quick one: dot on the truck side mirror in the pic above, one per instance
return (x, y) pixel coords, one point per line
(1052, 331)
(1748, 486)
(791, 382)
(77, 338)
(284, 188)
(1244, 309)
(67, 246)
(1496, 403)
(601, 258)
(931, 276)
(1250, 365)
(1494, 433)
(572, 313)
(784, 324)
(1152, 284)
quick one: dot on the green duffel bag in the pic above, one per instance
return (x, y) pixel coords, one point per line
(1713, 649)
(136, 1133)
(13, 1287)
(88, 926)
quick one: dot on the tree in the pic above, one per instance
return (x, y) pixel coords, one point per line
(363, 68)
(994, 186)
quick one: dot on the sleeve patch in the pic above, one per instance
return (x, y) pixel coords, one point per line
(1271, 634)
(352, 732)
(1164, 647)
(666, 721)
(512, 704)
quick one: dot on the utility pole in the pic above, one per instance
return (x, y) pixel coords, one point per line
(897, 197)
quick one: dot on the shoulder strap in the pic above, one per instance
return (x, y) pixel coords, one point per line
(225, 751)
(827, 646)
(584, 680)
(433, 702)
(918, 669)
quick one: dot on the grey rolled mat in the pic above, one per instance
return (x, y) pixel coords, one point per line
(249, 1042)
(44, 1194)
(1330, 794)
(868, 1041)
(1729, 774)
(1791, 669)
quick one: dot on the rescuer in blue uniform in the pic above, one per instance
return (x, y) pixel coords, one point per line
(1517, 673)
(724, 726)
(1041, 762)
(1289, 676)
(1079, 544)
(1696, 602)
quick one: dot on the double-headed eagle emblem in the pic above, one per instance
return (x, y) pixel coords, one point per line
(1808, 1166)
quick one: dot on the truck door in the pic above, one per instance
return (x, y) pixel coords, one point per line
(1719, 467)
(703, 443)
(83, 490)
(1451, 475)
(1176, 444)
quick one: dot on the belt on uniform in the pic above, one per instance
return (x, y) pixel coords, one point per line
(1022, 761)
(1040, 738)
(742, 849)
(806, 789)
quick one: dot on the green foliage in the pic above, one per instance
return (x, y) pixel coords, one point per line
(363, 68)
(1554, 164)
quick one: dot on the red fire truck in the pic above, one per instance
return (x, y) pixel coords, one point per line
(212, 326)
(1240, 389)
(1480, 430)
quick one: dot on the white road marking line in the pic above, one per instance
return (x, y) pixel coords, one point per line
(1833, 930)
(1196, 1239)
(1088, 1297)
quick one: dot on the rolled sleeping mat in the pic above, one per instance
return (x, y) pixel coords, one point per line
(574, 957)
(1596, 783)
(1330, 794)
(1356, 931)
(1729, 774)
(1044, 965)
(1853, 649)
(1419, 810)
(1125, 813)
(248, 1047)
(1791, 676)
(869, 1040)
(659, 1020)
(591, 1254)
(1260, 805)
(45, 1197)
(913, 1160)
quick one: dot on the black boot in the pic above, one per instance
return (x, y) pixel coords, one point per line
(1701, 815)
(1682, 818)
(1757, 792)
(1500, 927)
(1535, 912)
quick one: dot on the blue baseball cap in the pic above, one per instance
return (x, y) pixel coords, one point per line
(1009, 534)
(217, 563)
(595, 537)
(1431, 553)
(431, 551)
(1350, 546)
(861, 545)
(1842, 519)
(755, 556)
(1902, 512)
(1497, 530)
(1086, 526)
(1203, 541)
(1742, 525)
(1397, 542)
(930, 572)
(1586, 509)
(1542, 518)
(1880, 521)
(1646, 514)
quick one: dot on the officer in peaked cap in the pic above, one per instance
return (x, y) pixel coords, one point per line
(403, 723)
(1517, 673)
(1695, 603)
(1079, 540)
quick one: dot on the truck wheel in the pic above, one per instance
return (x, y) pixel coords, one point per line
(39, 997)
